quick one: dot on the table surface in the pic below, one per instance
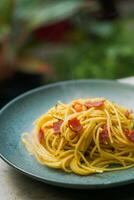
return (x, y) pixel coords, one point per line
(16, 186)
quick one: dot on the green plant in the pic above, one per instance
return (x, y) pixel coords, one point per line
(18, 19)
(97, 49)
(109, 54)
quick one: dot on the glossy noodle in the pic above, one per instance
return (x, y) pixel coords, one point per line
(85, 136)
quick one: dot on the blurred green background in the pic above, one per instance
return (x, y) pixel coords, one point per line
(43, 41)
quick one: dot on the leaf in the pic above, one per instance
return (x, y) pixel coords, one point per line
(35, 14)
(33, 65)
(103, 29)
(6, 10)
(4, 31)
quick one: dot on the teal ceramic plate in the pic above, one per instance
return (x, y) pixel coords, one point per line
(18, 115)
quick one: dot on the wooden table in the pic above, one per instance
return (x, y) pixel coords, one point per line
(15, 186)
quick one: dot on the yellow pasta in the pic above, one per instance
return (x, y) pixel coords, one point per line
(85, 136)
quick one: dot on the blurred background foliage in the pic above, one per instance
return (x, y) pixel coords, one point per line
(19, 19)
(44, 41)
(109, 54)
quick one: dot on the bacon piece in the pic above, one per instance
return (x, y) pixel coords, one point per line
(41, 135)
(75, 125)
(127, 114)
(104, 135)
(96, 104)
(129, 135)
(49, 126)
(56, 126)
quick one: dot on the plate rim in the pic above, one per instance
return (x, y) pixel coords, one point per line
(54, 181)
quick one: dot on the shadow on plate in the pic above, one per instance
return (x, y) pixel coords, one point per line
(28, 188)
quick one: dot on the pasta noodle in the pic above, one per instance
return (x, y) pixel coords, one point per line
(86, 136)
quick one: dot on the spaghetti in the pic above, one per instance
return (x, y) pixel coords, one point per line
(85, 136)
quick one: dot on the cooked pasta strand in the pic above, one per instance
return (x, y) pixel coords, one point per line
(85, 136)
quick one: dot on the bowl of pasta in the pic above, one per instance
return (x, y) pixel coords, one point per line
(76, 134)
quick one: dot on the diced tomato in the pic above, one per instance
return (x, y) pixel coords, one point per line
(56, 126)
(78, 107)
(130, 135)
(104, 135)
(41, 135)
(75, 125)
(96, 104)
